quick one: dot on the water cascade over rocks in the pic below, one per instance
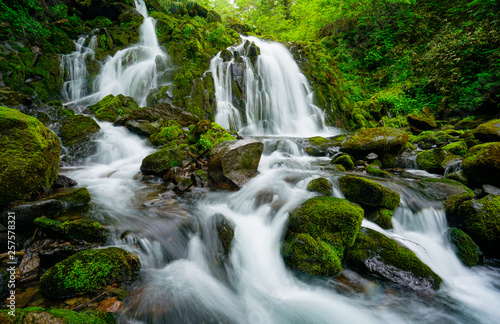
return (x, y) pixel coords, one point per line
(186, 278)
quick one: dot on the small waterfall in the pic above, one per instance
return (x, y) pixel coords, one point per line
(133, 71)
(75, 66)
(278, 98)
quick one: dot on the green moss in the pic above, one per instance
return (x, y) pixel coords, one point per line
(318, 140)
(459, 148)
(76, 129)
(172, 131)
(467, 250)
(488, 132)
(29, 315)
(428, 137)
(370, 169)
(88, 271)
(345, 161)
(207, 134)
(159, 162)
(384, 218)
(320, 185)
(29, 158)
(481, 164)
(368, 193)
(75, 198)
(378, 140)
(77, 230)
(110, 107)
(431, 160)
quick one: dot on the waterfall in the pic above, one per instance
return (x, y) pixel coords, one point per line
(278, 98)
(133, 71)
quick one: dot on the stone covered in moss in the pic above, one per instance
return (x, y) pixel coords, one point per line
(88, 271)
(207, 134)
(29, 157)
(73, 199)
(319, 146)
(159, 162)
(431, 160)
(320, 185)
(163, 111)
(482, 164)
(377, 254)
(344, 160)
(38, 315)
(488, 132)
(420, 123)
(77, 230)
(77, 129)
(234, 163)
(318, 233)
(368, 193)
(382, 217)
(377, 140)
(375, 171)
(225, 231)
(111, 107)
(458, 148)
(481, 220)
(425, 139)
(171, 131)
(467, 250)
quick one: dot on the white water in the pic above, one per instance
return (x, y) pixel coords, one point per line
(133, 71)
(278, 97)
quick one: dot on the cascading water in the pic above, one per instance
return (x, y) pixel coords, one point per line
(278, 98)
(133, 71)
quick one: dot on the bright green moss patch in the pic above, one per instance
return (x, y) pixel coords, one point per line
(368, 193)
(111, 107)
(76, 129)
(72, 199)
(77, 230)
(55, 315)
(344, 160)
(481, 164)
(370, 169)
(172, 131)
(159, 162)
(458, 148)
(467, 250)
(88, 271)
(207, 134)
(320, 185)
(377, 140)
(431, 160)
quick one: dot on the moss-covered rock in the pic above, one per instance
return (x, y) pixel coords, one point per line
(458, 148)
(38, 315)
(320, 185)
(111, 107)
(225, 231)
(488, 132)
(458, 176)
(431, 160)
(375, 171)
(319, 146)
(163, 111)
(382, 217)
(377, 140)
(159, 162)
(73, 199)
(170, 132)
(344, 160)
(377, 254)
(29, 157)
(206, 134)
(466, 249)
(368, 193)
(318, 233)
(76, 231)
(77, 129)
(420, 123)
(481, 164)
(424, 140)
(481, 220)
(88, 271)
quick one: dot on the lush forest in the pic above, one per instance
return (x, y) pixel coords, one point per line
(237, 161)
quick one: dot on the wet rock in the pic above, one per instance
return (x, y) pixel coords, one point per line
(468, 124)
(200, 178)
(73, 199)
(488, 132)
(28, 268)
(466, 249)
(318, 233)
(76, 231)
(421, 123)
(481, 220)
(491, 190)
(379, 140)
(320, 185)
(29, 158)
(11, 98)
(442, 189)
(458, 148)
(376, 254)
(432, 160)
(142, 127)
(375, 171)
(458, 176)
(320, 146)
(159, 162)
(344, 160)
(111, 107)
(481, 164)
(367, 193)
(163, 111)
(235, 162)
(225, 231)
(27, 213)
(75, 133)
(88, 271)
(110, 305)
(371, 157)
(63, 181)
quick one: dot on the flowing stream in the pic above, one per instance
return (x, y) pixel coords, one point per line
(186, 280)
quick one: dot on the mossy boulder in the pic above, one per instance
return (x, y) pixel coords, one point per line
(88, 271)
(206, 134)
(375, 171)
(225, 231)
(159, 162)
(77, 129)
(233, 163)
(111, 107)
(431, 160)
(424, 140)
(73, 199)
(481, 164)
(458, 148)
(29, 157)
(163, 111)
(481, 220)
(344, 160)
(376, 254)
(442, 189)
(377, 140)
(382, 217)
(319, 146)
(318, 233)
(170, 132)
(466, 249)
(320, 185)
(488, 132)
(38, 315)
(367, 193)
(76, 230)
(420, 123)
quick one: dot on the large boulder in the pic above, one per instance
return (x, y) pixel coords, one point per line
(233, 163)
(321, 186)
(466, 249)
(318, 233)
(77, 230)
(367, 193)
(159, 162)
(29, 157)
(88, 271)
(431, 160)
(75, 134)
(320, 146)
(481, 220)
(482, 164)
(376, 254)
(488, 132)
(163, 111)
(377, 140)
(420, 123)
(111, 107)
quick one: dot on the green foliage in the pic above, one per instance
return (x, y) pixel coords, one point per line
(25, 315)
